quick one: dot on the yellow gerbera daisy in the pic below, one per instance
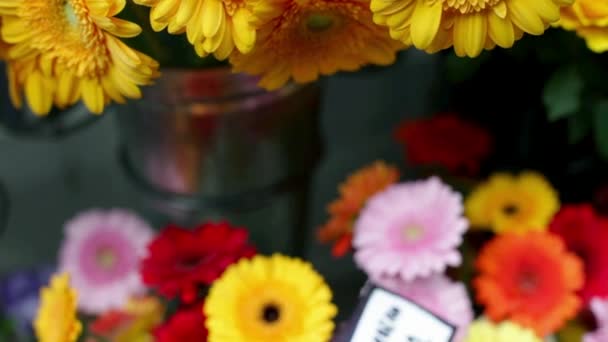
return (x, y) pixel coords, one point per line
(302, 39)
(265, 299)
(73, 47)
(212, 26)
(589, 18)
(507, 203)
(468, 25)
(56, 320)
(486, 331)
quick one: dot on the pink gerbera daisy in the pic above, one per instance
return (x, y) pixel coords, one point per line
(438, 294)
(410, 230)
(102, 251)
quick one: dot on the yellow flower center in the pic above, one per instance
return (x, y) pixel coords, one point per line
(319, 22)
(106, 258)
(65, 31)
(70, 15)
(469, 6)
(413, 233)
(232, 6)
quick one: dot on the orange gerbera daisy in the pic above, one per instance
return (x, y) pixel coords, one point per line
(354, 193)
(529, 279)
(302, 39)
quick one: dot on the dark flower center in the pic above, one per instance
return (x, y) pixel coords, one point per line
(319, 22)
(510, 209)
(190, 262)
(271, 313)
(528, 282)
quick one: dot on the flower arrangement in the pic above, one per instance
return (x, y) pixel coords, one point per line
(502, 260)
(102, 52)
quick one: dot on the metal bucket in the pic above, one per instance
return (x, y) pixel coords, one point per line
(210, 144)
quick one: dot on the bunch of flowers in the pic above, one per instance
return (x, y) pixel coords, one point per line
(533, 266)
(59, 52)
(120, 282)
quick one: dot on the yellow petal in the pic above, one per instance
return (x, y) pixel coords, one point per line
(14, 92)
(164, 10)
(227, 45)
(525, 17)
(38, 95)
(425, 22)
(501, 30)
(194, 30)
(210, 44)
(470, 32)
(546, 9)
(119, 27)
(244, 35)
(213, 15)
(500, 10)
(92, 95)
(67, 86)
(185, 12)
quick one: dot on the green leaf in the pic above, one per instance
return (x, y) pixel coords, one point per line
(579, 126)
(562, 94)
(600, 113)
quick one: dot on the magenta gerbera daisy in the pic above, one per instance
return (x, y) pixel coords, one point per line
(410, 230)
(438, 294)
(102, 251)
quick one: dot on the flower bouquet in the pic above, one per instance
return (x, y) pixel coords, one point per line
(496, 258)
(499, 259)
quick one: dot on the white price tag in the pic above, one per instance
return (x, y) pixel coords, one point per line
(388, 317)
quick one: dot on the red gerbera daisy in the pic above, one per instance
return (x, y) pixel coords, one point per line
(179, 261)
(530, 279)
(186, 325)
(445, 140)
(585, 233)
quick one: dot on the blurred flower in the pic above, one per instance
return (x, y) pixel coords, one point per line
(270, 299)
(410, 230)
(187, 324)
(529, 279)
(508, 203)
(589, 18)
(135, 322)
(20, 296)
(469, 25)
(102, 251)
(354, 193)
(303, 39)
(486, 331)
(600, 311)
(212, 26)
(56, 320)
(181, 260)
(75, 48)
(445, 140)
(585, 234)
(438, 294)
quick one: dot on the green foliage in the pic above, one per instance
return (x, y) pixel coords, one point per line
(579, 126)
(562, 93)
